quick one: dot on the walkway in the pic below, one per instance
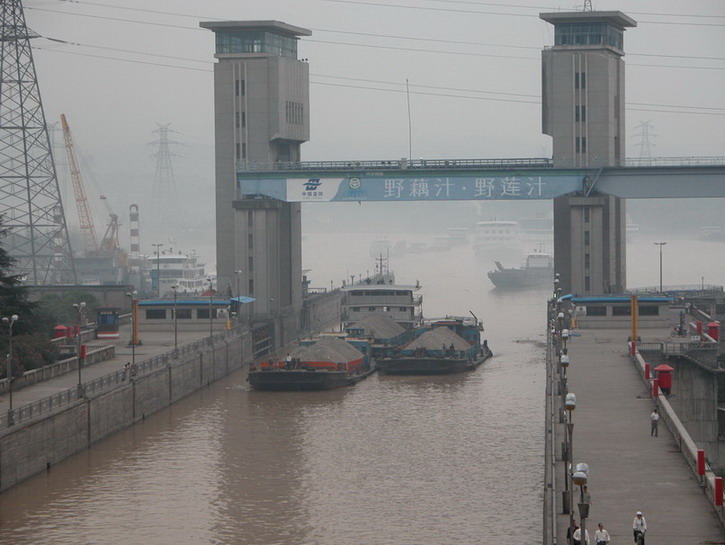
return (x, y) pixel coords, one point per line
(154, 343)
(629, 470)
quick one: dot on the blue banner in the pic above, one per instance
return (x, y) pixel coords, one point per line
(412, 188)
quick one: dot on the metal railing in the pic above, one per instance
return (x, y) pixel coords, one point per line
(53, 403)
(454, 164)
(413, 164)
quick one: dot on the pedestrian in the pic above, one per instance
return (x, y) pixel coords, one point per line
(639, 526)
(570, 532)
(288, 362)
(655, 420)
(578, 536)
(601, 536)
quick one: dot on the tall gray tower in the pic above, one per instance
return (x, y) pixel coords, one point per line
(261, 103)
(583, 111)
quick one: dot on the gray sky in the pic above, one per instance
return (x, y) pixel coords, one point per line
(474, 76)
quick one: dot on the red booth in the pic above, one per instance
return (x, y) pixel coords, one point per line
(664, 376)
(713, 329)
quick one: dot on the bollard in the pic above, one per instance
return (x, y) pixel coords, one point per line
(701, 462)
(718, 490)
(646, 371)
(655, 387)
(632, 348)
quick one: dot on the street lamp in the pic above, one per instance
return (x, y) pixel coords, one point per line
(660, 244)
(158, 269)
(80, 307)
(211, 316)
(176, 336)
(238, 273)
(581, 477)
(9, 322)
(569, 405)
(134, 326)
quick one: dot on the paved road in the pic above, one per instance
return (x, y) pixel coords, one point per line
(154, 343)
(629, 470)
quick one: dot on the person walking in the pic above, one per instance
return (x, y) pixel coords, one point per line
(654, 420)
(578, 537)
(639, 526)
(601, 536)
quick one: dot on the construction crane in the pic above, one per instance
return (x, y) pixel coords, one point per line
(109, 243)
(88, 230)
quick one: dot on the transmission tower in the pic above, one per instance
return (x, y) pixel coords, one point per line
(30, 201)
(645, 146)
(164, 196)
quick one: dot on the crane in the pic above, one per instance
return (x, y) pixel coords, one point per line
(85, 219)
(109, 244)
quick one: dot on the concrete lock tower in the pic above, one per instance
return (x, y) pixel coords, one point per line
(583, 112)
(261, 114)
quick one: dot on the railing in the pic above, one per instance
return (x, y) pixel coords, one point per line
(682, 438)
(673, 161)
(413, 164)
(454, 164)
(52, 403)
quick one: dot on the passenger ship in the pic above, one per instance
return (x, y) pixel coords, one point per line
(174, 268)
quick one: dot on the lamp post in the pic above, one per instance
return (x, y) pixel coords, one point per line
(211, 316)
(569, 405)
(9, 322)
(238, 273)
(80, 307)
(175, 287)
(660, 244)
(580, 477)
(158, 269)
(134, 326)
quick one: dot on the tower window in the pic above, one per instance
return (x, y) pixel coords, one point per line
(580, 80)
(580, 113)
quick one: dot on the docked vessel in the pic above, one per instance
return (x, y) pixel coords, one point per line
(452, 345)
(323, 364)
(175, 268)
(538, 271)
(379, 294)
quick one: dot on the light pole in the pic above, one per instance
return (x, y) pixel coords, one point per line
(660, 244)
(238, 273)
(158, 269)
(134, 326)
(176, 336)
(9, 322)
(580, 477)
(569, 405)
(211, 316)
(80, 307)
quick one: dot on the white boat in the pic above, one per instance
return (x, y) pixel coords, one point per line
(379, 294)
(175, 268)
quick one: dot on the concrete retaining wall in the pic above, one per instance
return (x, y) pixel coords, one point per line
(32, 447)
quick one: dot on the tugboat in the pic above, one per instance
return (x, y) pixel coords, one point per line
(451, 345)
(329, 362)
(538, 271)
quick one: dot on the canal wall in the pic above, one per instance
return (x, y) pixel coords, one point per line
(43, 437)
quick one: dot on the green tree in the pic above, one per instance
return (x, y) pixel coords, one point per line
(31, 336)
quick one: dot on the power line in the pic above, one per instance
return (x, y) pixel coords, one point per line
(712, 110)
(357, 2)
(398, 37)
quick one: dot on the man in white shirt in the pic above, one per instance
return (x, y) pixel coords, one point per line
(639, 526)
(601, 536)
(655, 420)
(578, 536)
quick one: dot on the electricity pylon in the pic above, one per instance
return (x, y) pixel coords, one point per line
(30, 202)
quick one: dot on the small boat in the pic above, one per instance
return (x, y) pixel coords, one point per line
(451, 345)
(538, 271)
(321, 364)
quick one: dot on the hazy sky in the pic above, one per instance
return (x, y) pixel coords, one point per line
(473, 68)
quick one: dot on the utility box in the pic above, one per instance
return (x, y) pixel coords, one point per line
(664, 376)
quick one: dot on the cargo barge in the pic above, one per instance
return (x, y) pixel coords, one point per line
(452, 345)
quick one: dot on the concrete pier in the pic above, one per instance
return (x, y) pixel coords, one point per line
(630, 470)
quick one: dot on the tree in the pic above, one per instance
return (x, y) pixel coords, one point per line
(31, 336)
